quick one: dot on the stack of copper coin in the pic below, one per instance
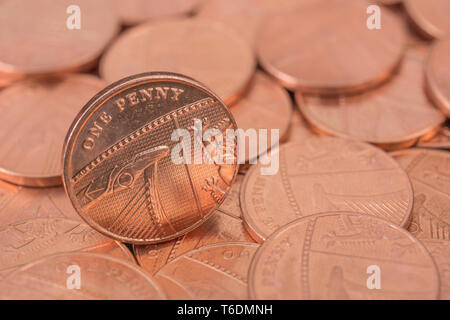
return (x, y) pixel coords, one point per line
(95, 97)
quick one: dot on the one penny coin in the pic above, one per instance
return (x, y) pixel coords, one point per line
(342, 256)
(395, 115)
(102, 277)
(129, 169)
(207, 52)
(46, 36)
(212, 272)
(429, 17)
(326, 47)
(35, 117)
(324, 174)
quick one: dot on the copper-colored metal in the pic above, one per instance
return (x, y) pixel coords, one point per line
(220, 228)
(207, 52)
(299, 129)
(439, 250)
(119, 170)
(326, 47)
(35, 117)
(101, 277)
(429, 17)
(440, 141)
(266, 105)
(132, 12)
(231, 205)
(325, 174)
(327, 256)
(217, 271)
(390, 2)
(392, 116)
(27, 240)
(44, 44)
(437, 75)
(429, 172)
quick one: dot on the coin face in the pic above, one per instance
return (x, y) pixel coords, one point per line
(138, 11)
(439, 250)
(24, 241)
(324, 174)
(102, 277)
(310, 47)
(339, 256)
(36, 115)
(53, 42)
(127, 176)
(207, 52)
(429, 172)
(213, 272)
(430, 17)
(392, 116)
(438, 76)
(265, 107)
(220, 228)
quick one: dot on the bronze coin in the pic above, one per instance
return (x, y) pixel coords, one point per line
(437, 73)
(265, 106)
(220, 228)
(36, 38)
(326, 47)
(119, 167)
(324, 174)
(132, 12)
(429, 172)
(216, 271)
(440, 251)
(392, 116)
(207, 52)
(101, 277)
(328, 256)
(439, 141)
(35, 117)
(24, 241)
(429, 17)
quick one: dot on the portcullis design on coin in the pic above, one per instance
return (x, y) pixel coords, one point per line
(118, 158)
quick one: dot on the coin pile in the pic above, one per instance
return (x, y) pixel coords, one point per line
(358, 208)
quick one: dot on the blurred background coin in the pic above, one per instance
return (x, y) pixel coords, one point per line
(429, 17)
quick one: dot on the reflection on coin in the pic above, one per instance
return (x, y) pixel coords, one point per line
(437, 74)
(102, 277)
(440, 251)
(126, 176)
(24, 241)
(392, 116)
(325, 174)
(429, 172)
(209, 53)
(299, 130)
(49, 43)
(333, 255)
(220, 228)
(265, 106)
(35, 117)
(430, 17)
(326, 47)
(217, 271)
(137, 11)
(440, 141)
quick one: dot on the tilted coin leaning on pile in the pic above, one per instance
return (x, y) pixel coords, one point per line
(225, 149)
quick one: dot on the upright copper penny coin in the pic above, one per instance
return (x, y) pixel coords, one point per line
(35, 117)
(125, 173)
(326, 47)
(429, 172)
(437, 75)
(430, 17)
(328, 256)
(212, 272)
(440, 251)
(392, 116)
(53, 41)
(137, 11)
(205, 51)
(103, 278)
(324, 174)
(264, 108)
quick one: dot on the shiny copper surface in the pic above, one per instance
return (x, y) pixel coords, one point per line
(429, 17)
